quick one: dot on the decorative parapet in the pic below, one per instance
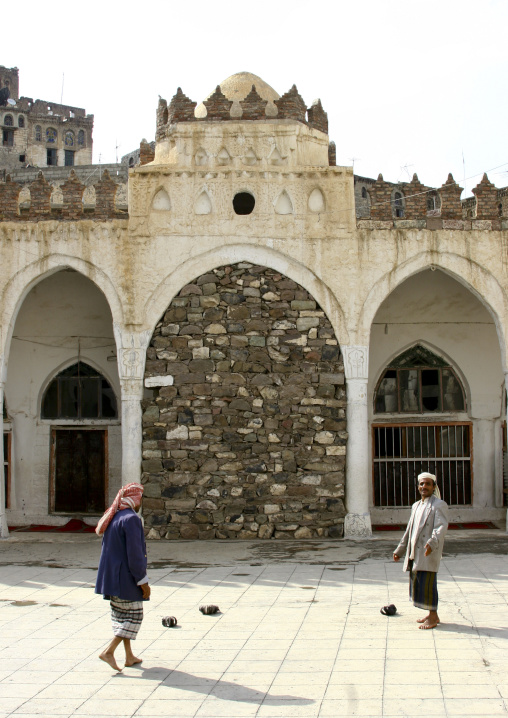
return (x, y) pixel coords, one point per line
(416, 199)
(422, 207)
(486, 199)
(253, 107)
(451, 206)
(72, 207)
(380, 200)
(317, 117)
(291, 106)
(218, 107)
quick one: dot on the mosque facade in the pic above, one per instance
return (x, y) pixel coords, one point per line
(273, 347)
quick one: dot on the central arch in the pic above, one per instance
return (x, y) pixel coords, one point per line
(263, 256)
(244, 434)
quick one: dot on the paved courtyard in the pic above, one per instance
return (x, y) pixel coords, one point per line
(299, 633)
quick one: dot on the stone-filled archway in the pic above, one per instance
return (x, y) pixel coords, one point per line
(244, 435)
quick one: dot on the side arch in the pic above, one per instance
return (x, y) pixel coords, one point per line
(483, 285)
(263, 256)
(23, 281)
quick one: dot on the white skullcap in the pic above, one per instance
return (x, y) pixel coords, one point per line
(426, 475)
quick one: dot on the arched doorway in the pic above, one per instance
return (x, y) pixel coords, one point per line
(435, 398)
(78, 475)
(61, 388)
(244, 431)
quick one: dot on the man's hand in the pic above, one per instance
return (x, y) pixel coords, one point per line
(146, 591)
(396, 558)
(428, 549)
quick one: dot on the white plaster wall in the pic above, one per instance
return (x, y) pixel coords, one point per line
(435, 309)
(62, 311)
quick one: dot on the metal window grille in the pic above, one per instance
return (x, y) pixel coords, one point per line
(402, 451)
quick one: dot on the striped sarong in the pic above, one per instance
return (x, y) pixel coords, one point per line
(423, 589)
(126, 617)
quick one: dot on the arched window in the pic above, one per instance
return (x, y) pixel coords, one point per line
(419, 382)
(81, 138)
(364, 193)
(398, 205)
(51, 135)
(21, 121)
(79, 392)
(8, 121)
(69, 139)
(38, 133)
(131, 161)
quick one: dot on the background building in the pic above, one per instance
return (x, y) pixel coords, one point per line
(41, 133)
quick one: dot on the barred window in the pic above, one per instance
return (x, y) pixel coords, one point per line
(8, 121)
(38, 133)
(81, 138)
(21, 121)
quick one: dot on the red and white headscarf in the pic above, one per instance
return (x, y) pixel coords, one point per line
(126, 498)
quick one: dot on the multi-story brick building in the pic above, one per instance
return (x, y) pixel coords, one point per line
(268, 356)
(41, 133)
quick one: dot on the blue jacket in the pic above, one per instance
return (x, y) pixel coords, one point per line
(123, 557)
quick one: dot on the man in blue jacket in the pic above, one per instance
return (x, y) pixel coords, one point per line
(121, 577)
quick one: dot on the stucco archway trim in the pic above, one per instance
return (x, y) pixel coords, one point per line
(263, 256)
(23, 281)
(475, 278)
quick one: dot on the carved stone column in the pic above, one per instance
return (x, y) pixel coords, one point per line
(131, 350)
(356, 365)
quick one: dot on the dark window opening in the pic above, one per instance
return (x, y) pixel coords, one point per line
(131, 161)
(69, 158)
(419, 382)
(79, 392)
(500, 210)
(8, 121)
(398, 205)
(243, 203)
(364, 193)
(81, 138)
(8, 138)
(22, 158)
(51, 160)
(21, 121)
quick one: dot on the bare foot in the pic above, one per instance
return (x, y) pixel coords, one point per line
(424, 620)
(132, 661)
(429, 624)
(109, 658)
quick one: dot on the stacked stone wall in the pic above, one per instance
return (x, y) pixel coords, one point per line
(244, 435)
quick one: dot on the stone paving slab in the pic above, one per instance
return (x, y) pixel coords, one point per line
(295, 637)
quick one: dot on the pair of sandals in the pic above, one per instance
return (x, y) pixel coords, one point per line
(390, 610)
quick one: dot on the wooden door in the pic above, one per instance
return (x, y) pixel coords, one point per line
(78, 470)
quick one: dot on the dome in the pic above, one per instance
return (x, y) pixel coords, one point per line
(237, 87)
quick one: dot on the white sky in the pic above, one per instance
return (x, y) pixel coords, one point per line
(405, 83)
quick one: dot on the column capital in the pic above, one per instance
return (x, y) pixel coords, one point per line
(356, 361)
(131, 350)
